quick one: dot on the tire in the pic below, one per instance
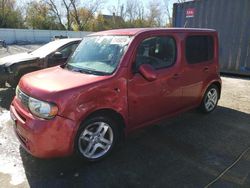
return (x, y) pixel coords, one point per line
(96, 138)
(210, 99)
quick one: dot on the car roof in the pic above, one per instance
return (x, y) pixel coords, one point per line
(65, 41)
(135, 31)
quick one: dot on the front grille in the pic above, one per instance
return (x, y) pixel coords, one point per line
(21, 138)
(23, 97)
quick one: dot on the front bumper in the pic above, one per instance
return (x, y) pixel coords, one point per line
(42, 138)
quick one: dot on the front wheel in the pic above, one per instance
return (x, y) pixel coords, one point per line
(96, 138)
(210, 99)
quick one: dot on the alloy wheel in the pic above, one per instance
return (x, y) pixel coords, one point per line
(211, 99)
(95, 140)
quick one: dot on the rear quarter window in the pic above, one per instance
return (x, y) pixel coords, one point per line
(199, 48)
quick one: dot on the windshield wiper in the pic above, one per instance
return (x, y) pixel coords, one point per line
(91, 71)
(83, 70)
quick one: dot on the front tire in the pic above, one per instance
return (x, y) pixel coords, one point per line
(210, 99)
(96, 138)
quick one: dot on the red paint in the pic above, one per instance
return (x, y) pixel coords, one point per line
(190, 12)
(139, 101)
(148, 72)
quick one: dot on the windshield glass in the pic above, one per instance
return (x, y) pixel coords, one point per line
(48, 48)
(98, 54)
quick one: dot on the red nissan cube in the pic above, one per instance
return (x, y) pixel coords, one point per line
(115, 82)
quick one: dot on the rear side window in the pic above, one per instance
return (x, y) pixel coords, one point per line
(199, 49)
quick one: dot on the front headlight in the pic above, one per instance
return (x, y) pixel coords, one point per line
(42, 109)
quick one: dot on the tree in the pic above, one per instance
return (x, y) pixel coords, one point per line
(78, 15)
(82, 19)
(82, 16)
(38, 16)
(55, 10)
(131, 12)
(10, 15)
(61, 10)
(98, 23)
(154, 17)
(168, 15)
(118, 10)
(135, 14)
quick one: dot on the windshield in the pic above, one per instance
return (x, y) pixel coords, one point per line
(98, 54)
(48, 48)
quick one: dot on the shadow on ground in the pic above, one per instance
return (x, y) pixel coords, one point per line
(6, 96)
(187, 151)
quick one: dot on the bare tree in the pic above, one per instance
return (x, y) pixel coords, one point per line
(81, 16)
(54, 9)
(58, 11)
(155, 14)
(75, 14)
(140, 10)
(131, 12)
(168, 14)
(67, 5)
(118, 10)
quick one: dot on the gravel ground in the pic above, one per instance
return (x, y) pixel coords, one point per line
(190, 150)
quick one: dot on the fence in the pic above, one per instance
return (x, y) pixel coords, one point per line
(12, 36)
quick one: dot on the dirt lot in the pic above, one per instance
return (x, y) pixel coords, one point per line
(190, 150)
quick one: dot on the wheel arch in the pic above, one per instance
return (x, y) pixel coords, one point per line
(112, 114)
(218, 84)
(214, 82)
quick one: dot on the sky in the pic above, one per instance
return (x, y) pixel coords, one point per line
(110, 3)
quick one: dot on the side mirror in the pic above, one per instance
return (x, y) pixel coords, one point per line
(148, 72)
(57, 55)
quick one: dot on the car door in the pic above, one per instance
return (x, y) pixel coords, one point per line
(199, 53)
(61, 55)
(150, 100)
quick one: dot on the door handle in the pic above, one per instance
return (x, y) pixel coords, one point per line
(206, 69)
(176, 76)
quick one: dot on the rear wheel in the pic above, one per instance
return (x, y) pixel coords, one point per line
(210, 99)
(96, 138)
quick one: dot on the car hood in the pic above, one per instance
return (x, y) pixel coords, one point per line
(48, 83)
(11, 59)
